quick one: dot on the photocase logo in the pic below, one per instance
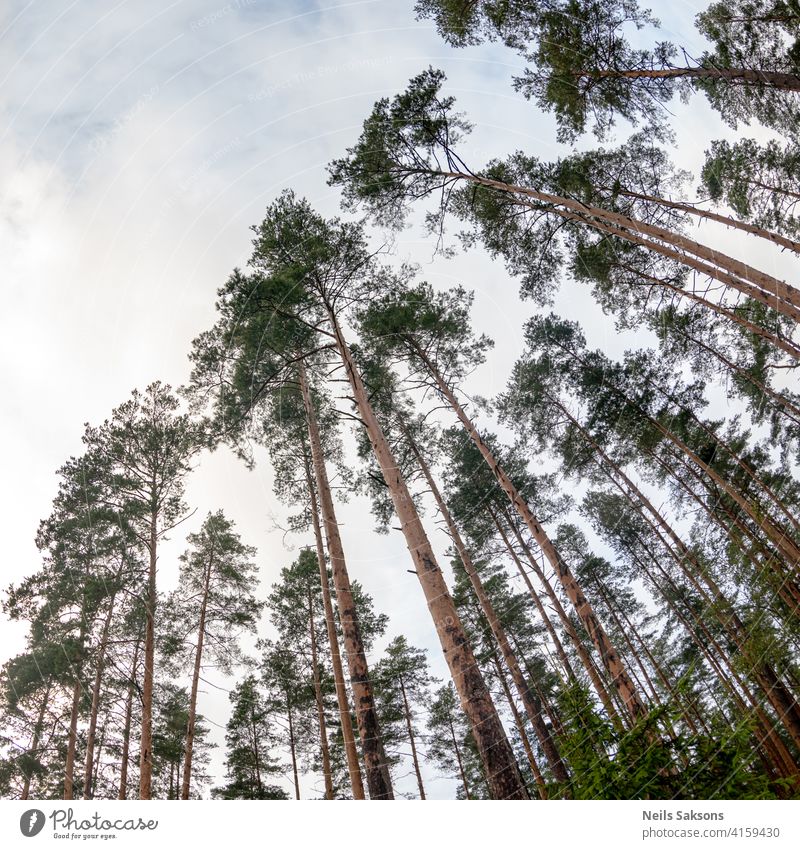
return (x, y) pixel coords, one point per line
(31, 822)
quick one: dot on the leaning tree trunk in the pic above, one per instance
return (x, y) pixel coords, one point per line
(608, 654)
(98, 680)
(146, 754)
(532, 705)
(351, 753)
(734, 76)
(541, 785)
(503, 776)
(378, 780)
(198, 662)
(323, 731)
(733, 273)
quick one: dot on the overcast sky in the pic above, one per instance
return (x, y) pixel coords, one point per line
(139, 141)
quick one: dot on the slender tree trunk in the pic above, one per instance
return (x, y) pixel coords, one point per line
(541, 784)
(378, 780)
(98, 680)
(734, 76)
(410, 730)
(716, 217)
(532, 705)
(460, 762)
(33, 751)
(96, 772)
(503, 776)
(146, 755)
(351, 752)
(543, 614)
(292, 748)
(733, 273)
(126, 734)
(256, 754)
(72, 744)
(198, 662)
(323, 731)
(577, 642)
(607, 652)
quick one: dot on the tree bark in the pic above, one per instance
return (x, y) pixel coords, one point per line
(503, 776)
(378, 780)
(351, 753)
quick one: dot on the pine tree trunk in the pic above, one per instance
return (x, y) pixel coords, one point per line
(378, 780)
(541, 785)
(146, 755)
(351, 753)
(503, 776)
(256, 753)
(292, 750)
(198, 662)
(716, 217)
(607, 652)
(323, 731)
(460, 763)
(411, 740)
(532, 705)
(34, 747)
(543, 614)
(733, 273)
(69, 769)
(96, 772)
(126, 734)
(98, 679)
(577, 642)
(733, 76)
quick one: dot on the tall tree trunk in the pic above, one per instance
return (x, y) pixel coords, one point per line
(533, 707)
(96, 772)
(351, 753)
(734, 76)
(577, 642)
(292, 748)
(460, 763)
(727, 220)
(146, 754)
(126, 733)
(323, 731)
(541, 784)
(503, 776)
(256, 754)
(608, 654)
(377, 771)
(735, 274)
(33, 751)
(98, 680)
(411, 740)
(72, 744)
(198, 662)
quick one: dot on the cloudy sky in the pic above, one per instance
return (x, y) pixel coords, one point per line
(138, 144)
